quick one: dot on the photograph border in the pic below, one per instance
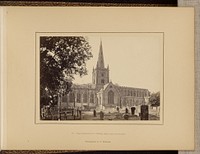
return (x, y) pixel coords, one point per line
(90, 122)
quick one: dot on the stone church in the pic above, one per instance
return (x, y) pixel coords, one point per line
(102, 93)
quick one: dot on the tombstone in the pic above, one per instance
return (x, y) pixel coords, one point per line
(126, 116)
(94, 113)
(101, 115)
(144, 112)
(133, 110)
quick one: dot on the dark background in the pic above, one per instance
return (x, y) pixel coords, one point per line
(157, 3)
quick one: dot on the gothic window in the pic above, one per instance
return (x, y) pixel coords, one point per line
(129, 93)
(110, 97)
(102, 81)
(91, 98)
(146, 93)
(85, 97)
(71, 97)
(78, 97)
(102, 74)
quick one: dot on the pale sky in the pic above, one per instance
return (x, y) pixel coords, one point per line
(135, 60)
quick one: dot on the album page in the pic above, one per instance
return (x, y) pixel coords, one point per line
(98, 78)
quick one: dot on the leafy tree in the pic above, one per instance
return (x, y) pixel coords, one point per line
(60, 59)
(155, 99)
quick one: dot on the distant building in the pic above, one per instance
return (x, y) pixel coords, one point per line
(102, 93)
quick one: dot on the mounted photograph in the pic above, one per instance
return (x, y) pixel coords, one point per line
(101, 77)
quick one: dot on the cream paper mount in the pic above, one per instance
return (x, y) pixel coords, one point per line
(148, 50)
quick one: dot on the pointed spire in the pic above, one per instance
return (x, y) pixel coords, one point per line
(100, 62)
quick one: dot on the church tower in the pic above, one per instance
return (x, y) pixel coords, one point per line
(100, 74)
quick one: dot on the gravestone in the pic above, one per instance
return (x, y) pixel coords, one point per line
(144, 112)
(94, 113)
(133, 110)
(101, 115)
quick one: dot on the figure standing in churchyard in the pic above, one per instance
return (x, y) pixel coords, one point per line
(77, 111)
(80, 112)
(117, 108)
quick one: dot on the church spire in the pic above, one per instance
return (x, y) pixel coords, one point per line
(100, 62)
(100, 75)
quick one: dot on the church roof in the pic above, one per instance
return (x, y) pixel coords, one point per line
(135, 88)
(84, 86)
(106, 85)
(117, 86)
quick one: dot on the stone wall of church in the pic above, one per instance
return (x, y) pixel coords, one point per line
(136, 92)
(80, 97)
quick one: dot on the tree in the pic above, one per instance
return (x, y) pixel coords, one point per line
(155, 99)
(60, 59)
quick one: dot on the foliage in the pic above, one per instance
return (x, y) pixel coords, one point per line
(60, 59)
(155, 99)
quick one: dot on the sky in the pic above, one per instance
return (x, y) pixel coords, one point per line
(135, 60)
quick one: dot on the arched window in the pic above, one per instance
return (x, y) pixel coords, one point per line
(85, 98)
(129, 93)
(91, 98)
(110, 97)
(134, 93)
(71, 97)
(142, 93)
(78, 97)
(102, 81)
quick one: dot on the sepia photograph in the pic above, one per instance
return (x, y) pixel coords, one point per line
(101, 77)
